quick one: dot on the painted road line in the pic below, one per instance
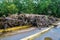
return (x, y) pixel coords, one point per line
(14, 28)
(32, 37)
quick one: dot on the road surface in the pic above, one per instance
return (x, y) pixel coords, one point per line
(53, 33)
(21, 35)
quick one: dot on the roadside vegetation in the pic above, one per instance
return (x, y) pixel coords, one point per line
(46, 7)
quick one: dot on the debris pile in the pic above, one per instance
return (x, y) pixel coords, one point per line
(24, 19)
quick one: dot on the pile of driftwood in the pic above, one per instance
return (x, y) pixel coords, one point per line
(27, 19)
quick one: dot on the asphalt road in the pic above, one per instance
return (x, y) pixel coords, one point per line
(21, 35)
(53, 33)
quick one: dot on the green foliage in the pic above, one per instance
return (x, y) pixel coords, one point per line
(12, 8)
(47, 7)
(3, 8)
(41, 6)
(54, 8)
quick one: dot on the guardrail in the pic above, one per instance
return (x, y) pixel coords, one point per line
(32, 37)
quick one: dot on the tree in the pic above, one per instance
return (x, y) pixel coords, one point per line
(8, 7)
(12, 8)
(54, 8)
(42, 5)
(46, 7)
(3, 8)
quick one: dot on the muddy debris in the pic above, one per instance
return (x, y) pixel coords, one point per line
(24, 19)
